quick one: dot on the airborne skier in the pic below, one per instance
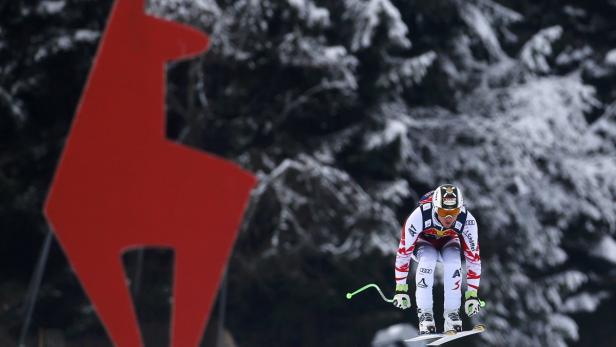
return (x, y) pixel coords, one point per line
(437, 229)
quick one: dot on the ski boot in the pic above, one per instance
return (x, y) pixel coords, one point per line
(426, 321)
(453, 323)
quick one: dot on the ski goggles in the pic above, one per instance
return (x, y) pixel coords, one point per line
(441, 212)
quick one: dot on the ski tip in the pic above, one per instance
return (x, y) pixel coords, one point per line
(480, 327)
(349, 295)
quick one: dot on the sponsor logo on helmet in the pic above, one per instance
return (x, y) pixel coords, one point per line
(449, 190)
(449, 197)
(450, 202)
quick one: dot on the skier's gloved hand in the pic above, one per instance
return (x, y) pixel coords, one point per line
(472, 303)
(401, 299)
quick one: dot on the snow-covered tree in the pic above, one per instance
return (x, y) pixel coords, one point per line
(348, 111)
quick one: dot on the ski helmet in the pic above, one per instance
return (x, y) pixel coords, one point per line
(447, 200)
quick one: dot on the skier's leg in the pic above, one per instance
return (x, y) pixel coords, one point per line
(452, 280)
(452, 276)
(424, 276)
(424, 279)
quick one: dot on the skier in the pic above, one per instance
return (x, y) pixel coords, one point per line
(435, 230)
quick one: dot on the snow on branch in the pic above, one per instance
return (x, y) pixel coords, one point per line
(481, 24)
(16, 106)
(303, 191)
(51, 7)
(605, 249)
(333, 63)
(585, 302)
(406, 72)
(368, 15)
(312, 15)
(497, 13)
(296, 50)
(202, 13)
(565, 326)
(568, 281)
(535, 52)
(610, 58)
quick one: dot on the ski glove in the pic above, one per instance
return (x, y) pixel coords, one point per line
(473, 303)
(401, 299)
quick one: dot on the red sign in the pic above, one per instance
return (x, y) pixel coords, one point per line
(121, 184)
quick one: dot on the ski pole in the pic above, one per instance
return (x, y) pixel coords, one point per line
(350, 295)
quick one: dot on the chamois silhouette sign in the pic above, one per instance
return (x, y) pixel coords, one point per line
(120, 184)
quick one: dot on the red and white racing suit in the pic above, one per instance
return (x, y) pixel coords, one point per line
(424, 236)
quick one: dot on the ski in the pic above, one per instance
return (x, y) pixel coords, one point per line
(477, 329)
(425, 337)
(454, 336)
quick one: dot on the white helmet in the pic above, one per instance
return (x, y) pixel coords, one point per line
(447, 197)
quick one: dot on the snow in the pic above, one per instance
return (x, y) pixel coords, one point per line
(86, 35)
(333, 54)
(497, 13)
(51, 7)
(394, 129)
(393, 192)
(307, 51)
(364, 225)
(499, 322)
(479, 23)
(204, 14)
(367, 17)
(16, 106)
(610, 58)
(66, 42)
(406, 72)
(534, 53)
(313, 15)
(584, 302)
(605, 249)
(574, 11)
(572, 56)
(565, 325)
(570, 281)
(63, 42)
